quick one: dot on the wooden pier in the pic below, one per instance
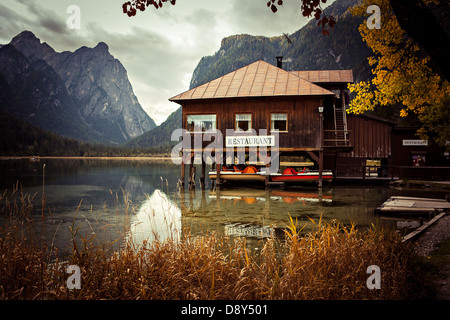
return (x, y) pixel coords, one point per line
(422, 228)
(413, 205)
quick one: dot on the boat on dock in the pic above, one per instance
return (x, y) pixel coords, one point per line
(290, 175)
(250, 173)
(413, 205)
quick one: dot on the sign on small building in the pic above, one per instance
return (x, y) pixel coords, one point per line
(414, 143)
(250, 141)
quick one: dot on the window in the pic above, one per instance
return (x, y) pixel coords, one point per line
(278, 122)
(372, 167)
(418, 159)
(243, 122)
(201, 122)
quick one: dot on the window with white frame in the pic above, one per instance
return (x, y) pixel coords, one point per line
(201, 122)
(278, 121)
(243, 122)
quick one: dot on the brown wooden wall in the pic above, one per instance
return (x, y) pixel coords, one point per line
(303, 116)
(370, 137)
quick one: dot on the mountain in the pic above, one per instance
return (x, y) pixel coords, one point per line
(33, 92)
(20, 138)
(161, 135)
(310, 50)
(84, 94)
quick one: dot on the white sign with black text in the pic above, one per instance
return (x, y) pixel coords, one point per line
(422, 143)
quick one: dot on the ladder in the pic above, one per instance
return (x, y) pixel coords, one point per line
(340, 122)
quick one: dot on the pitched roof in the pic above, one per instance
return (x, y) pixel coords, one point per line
(258, 79)
(325, 76)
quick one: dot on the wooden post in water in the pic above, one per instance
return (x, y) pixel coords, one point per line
(183, 169)
(217, 175)
(321, 146)
(267, 179)
(202, 178)
(192, 171)
(320, 168)
(319, 161)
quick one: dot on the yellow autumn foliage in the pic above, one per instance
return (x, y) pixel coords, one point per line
(402, 75)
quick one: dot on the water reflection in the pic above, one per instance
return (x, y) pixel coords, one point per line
(139, 200)
(158, 218)
(260, 213)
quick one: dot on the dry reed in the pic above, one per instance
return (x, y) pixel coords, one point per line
(328, 263)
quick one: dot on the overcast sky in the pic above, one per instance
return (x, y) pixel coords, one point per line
(159, 48)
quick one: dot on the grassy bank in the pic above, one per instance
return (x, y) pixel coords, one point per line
(329, 263)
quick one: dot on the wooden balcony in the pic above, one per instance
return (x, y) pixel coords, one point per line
(337, 139)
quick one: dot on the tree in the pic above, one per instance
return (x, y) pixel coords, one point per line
(403, 76)
(416, 18)
(131, 7)
(309, 8)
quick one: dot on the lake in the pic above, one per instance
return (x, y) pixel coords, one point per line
(107, 200)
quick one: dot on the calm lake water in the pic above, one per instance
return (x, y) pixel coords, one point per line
(118, 199)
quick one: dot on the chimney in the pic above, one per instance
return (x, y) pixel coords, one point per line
(280, 62)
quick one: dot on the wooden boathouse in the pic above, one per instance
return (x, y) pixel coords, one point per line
(305, 108)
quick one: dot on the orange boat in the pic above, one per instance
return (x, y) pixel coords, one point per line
(250, 173)
(290, 175)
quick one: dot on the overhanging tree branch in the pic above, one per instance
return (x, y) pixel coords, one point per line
(416, 19)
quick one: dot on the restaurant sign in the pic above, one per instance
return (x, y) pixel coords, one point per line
(250, 141)
(412, 143)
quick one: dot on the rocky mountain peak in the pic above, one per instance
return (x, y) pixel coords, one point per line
(25, 36)
(31, 46)
(95, 84)
(101, 46)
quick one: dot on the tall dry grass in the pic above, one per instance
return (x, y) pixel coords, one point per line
(327, 263)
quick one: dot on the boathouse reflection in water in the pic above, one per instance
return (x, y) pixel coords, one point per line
(158, 218)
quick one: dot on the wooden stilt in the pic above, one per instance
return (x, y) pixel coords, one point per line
(267, 179)
(202, 178)
(192, 171)
(217, 175)
(320, 168)
(313, 156)
(183, 169)
(319, 160)
(192, 177)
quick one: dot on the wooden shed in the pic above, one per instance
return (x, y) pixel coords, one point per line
(371, 139)
(306, 110)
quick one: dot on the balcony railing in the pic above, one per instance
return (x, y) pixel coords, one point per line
(336, 138)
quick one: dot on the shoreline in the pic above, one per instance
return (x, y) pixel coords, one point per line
(140, 158)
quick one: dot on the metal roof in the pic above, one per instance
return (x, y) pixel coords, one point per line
(258, 79)
(325, 76)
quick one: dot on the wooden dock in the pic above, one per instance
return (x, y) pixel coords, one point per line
(413, 205)
(422, 228)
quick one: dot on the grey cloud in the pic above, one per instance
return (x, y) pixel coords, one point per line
(43, 22)
(257, 19)
(153, 62)
(159, 63)
(12, 23)
(53, 25)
